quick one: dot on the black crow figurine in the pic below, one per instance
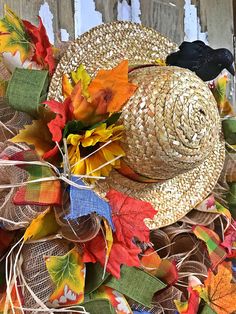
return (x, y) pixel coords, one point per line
(206, 62)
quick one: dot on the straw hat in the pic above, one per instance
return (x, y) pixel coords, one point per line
(172, 125)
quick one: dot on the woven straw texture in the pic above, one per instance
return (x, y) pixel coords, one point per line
(172, 124)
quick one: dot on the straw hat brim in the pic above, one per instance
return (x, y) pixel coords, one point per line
(104, 47)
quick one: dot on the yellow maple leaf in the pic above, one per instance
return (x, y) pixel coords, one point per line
(218, 291)
(13, 36)
(36, 134)
(82, 76)
(43, 225)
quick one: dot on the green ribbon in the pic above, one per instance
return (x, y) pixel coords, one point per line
(207, 310)
(136, 284)
(27, 89)
(229, 130)
(94, 277)
(98, 306)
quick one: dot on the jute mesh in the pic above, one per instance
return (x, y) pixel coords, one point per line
(35, 271)
(19, 216)
(172, 125)
(11, 121)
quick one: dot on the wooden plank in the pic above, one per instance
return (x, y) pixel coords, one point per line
(108, 8)
(166, 18)
(62, 10)
(216, 17)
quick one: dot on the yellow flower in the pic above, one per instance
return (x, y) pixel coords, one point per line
(83, 145)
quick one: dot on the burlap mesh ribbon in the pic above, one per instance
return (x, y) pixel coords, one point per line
(27, 89)
(35, 272)
(14, 217)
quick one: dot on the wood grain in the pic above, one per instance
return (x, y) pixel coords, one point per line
(62, 10)
(108, 8)
(165, 18)
(216, 18)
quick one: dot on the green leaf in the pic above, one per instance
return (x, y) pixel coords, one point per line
(73, 127)
(113, 118)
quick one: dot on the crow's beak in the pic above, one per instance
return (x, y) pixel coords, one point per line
(231, 69)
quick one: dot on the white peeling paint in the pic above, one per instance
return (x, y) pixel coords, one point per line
(14, 61)
(135, 11)
(192, 27)
(86, 16)
(47, 17)
(64, 35)
(124, 11)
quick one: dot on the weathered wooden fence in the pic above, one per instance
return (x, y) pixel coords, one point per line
(209, 20)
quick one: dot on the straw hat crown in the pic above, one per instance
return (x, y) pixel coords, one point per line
(171, 123)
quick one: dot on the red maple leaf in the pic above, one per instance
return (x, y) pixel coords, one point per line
(95, 251)
(128, 214)
(43, 54)
(57, 124)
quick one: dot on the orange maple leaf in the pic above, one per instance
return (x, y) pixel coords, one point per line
(218, 291)
(110, 89)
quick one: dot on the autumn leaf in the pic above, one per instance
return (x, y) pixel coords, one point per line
(43, 225)
(128, 216)
(117, 299)
(82, 76)
(6, 237)
(5, 306)
(36, 134)
(108, 92)
(13, 36)
(68, 274)
(150, 261)
(95, 251)
(219, 91)
(230, 240)
(163, 269)
(43, 53)
(67, 86)
(57, 124)
(110, 89)
(82, 109)
(190, 306)
(218, 291)
(108, 236)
